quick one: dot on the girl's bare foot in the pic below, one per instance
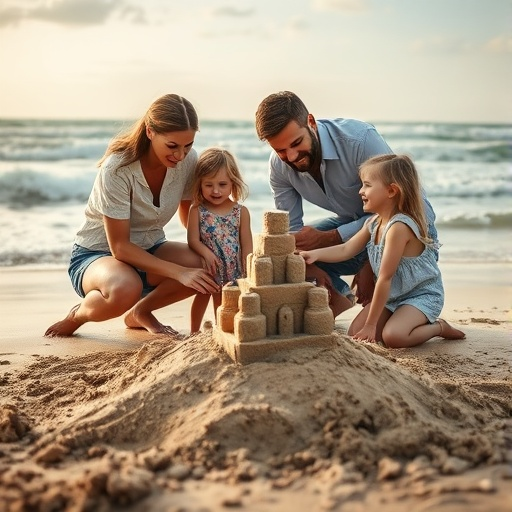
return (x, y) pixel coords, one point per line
(65, 327)
(448, 332)
(148, 321)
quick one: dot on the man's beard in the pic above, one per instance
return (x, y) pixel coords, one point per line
(309, 158)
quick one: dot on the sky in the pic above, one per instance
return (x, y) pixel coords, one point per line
(376, 60)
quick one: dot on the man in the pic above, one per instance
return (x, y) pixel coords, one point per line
(319, 160)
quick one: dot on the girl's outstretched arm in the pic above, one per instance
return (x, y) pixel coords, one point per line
(245, 236)
(339, 252)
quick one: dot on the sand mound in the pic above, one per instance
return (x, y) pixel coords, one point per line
(115, 427)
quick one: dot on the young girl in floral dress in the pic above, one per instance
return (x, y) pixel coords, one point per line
(219, 228)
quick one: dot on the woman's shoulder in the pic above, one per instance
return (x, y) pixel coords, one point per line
(113, 164)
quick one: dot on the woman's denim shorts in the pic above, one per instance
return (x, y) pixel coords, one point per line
(81, 258)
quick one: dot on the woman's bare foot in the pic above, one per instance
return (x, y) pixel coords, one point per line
(65, 327)
(148, 321)
(448, 332)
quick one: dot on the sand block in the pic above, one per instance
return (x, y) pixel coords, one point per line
(264, 349)
(278, 310)
(276, 222)
(274, 245)
(292, 295)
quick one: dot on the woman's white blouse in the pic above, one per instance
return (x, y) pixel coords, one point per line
(123, 193)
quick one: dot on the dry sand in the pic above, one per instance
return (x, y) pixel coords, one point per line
(116, 419)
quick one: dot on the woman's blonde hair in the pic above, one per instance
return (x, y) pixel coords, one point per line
(400, 171)
(209, 164)
(169, 113)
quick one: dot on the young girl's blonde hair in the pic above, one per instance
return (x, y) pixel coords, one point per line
(209, 164)
(400, 171)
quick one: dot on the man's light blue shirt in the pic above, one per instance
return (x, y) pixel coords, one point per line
(345, 145)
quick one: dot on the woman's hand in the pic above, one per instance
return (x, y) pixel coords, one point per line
(367, 333)
(198, 279)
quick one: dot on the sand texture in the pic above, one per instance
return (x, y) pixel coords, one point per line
(113, 419)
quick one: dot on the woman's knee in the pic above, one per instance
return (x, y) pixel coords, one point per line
(120, 287)
(124, 295)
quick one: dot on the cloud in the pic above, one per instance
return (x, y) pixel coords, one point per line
(296, 26)
(72, 12)
(351, 6)
(500, 44)
(441, 44)
(233, 12)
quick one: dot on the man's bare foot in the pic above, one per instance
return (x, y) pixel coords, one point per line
(148, 321)
(339, 303)
(448, 332)
(65, 327)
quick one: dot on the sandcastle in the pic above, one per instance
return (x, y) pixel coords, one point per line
(274, 309)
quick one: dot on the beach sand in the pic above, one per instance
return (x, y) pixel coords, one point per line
(117, 419)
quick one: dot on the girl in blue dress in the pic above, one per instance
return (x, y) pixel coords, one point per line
(219, 228)
(409, 294)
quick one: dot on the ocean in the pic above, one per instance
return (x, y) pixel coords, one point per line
(47, 168)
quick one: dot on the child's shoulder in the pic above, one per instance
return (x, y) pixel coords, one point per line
(403, 225)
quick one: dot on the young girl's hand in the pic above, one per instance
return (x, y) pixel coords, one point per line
(309, 256)
(367, 333)
(211, 264)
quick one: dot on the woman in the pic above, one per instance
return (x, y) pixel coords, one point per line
(121, 261)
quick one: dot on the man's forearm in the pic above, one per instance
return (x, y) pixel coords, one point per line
(333, 238)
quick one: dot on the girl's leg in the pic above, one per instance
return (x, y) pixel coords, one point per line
(408, 327)
(111, 288)
(217, 301)
(359, 321)
(199, 305)
(167, 291)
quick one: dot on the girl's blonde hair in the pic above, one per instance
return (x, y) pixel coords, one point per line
(169, 113)
(209, 164)
(400, 171)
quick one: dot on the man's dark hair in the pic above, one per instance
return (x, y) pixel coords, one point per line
(276, 111)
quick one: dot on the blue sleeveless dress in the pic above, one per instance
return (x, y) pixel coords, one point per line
(417, 280)
(221, 234)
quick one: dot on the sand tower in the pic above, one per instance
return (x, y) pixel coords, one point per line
(274, 309)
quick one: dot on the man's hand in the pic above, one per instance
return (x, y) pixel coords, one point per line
(363, 284)
(318, 276)
(337, 302)
(310, 238)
